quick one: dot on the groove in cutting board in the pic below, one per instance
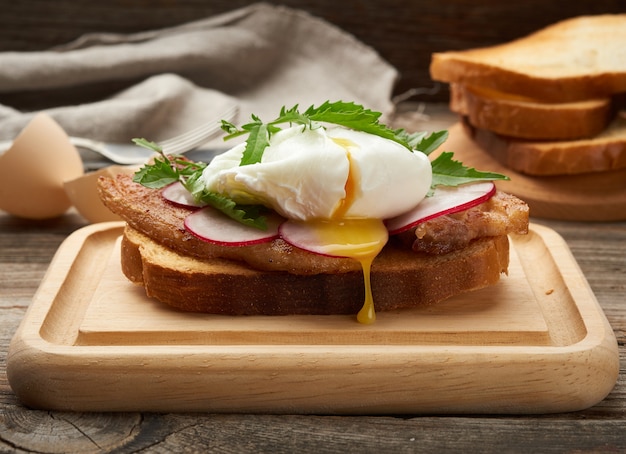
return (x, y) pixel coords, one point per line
(118, 313)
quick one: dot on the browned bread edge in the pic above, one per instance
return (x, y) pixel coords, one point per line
(528, 119)
(602, 153)
(547, 64)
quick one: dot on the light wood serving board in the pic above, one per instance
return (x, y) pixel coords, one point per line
(536, 342)
(595, 196)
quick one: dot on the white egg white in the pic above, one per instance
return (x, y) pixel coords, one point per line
(304, 171)
(391, 179)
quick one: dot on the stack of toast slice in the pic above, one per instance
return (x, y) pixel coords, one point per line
(550, 103)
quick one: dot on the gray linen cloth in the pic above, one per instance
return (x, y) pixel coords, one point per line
(257, 58)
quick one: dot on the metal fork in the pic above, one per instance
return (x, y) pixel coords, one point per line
(129, 154)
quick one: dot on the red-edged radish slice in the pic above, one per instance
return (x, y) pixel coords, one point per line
(445, 200)
(211, 225)
(178, 195)
(356, 238)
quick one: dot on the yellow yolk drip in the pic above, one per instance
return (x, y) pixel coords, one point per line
(359, 239)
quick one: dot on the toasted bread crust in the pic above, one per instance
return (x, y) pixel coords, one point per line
(575, 59)
(446, 68)
(525, 118)
(400, 279)
(604, 152)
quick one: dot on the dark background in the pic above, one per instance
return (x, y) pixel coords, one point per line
(405, 32)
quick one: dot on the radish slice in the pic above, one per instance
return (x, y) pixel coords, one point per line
(356, 238)
(178, 195)
(445, 200)
(301, 235)
(211, 225)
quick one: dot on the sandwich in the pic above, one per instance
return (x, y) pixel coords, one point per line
(547, 104)
(326, 211)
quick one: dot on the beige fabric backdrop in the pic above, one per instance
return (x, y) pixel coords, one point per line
(258, 58)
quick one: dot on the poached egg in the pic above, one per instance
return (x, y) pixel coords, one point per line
(340, 183)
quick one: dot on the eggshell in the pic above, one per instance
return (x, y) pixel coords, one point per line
(83, 193)
(33, 170)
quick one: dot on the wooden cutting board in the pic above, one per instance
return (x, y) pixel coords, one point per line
(598, 196)
(536, 342)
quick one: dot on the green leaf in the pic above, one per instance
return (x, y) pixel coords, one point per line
(291, 116)
(257, 142)
(428, 144)
(157, 175)
(346, 114)
(230, 129)
(251, 215)
(147, 144)
(448, 172)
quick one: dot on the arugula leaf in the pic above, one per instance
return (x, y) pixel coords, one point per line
(165, 171)
(157, 175)
(251, 215)
(428, 144)
(148, 144)
(257, 142)
(349, 115)
(448, 172)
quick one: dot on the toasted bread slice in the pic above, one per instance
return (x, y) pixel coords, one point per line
(400, 278)
(606, 151)
(576, 59)
(526, 118)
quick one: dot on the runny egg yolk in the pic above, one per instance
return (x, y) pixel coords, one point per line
(361, 239)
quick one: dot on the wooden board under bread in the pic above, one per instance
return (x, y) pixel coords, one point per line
(599, 196)
(536, 342)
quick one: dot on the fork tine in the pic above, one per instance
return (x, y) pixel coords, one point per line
(195, 137)
(201, 129)
(189, 135)
(189, 141)
(191, 138)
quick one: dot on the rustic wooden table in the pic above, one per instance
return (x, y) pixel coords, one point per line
(27, 248)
